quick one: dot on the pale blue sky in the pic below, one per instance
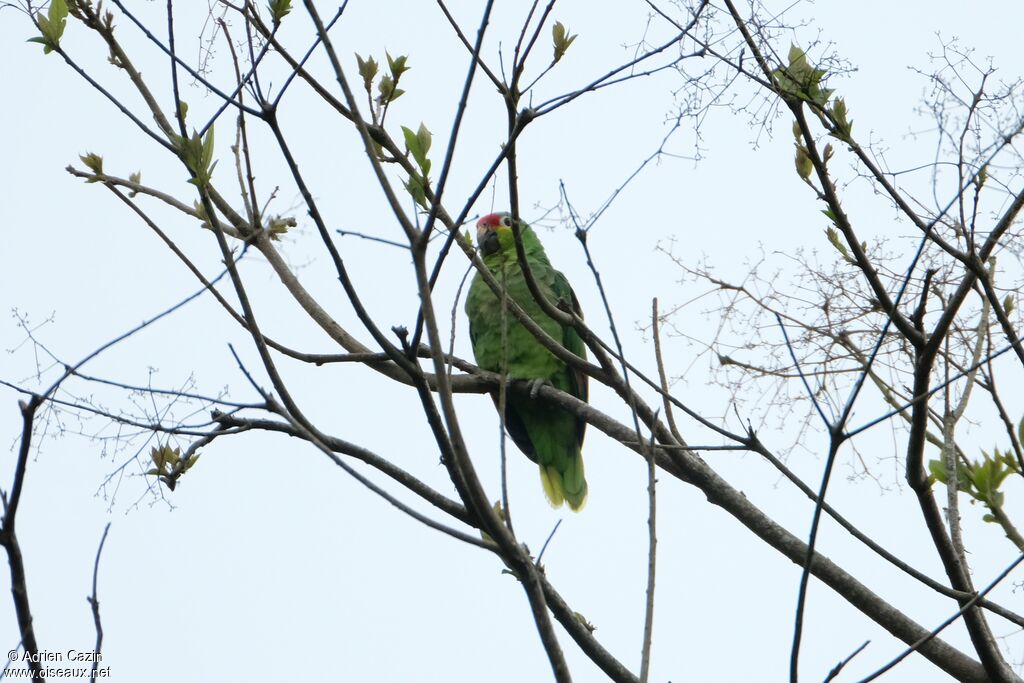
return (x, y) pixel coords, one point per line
(273, 564)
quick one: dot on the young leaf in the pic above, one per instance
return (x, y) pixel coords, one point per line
(279, 225)
(798, 66)
(51, 26)
(388, 92)
(415, 188)
(197, 154)
(424, 137)
(207, 158)
(561, 40)
(397, 66)
(418, 144)
(801, 80)
(137, 179)
(367, 70)
(833, 238)
(844, 127)
(804, 165)
(938, 471)
(279, 9)
(157, 456)
(200, 211)
(93, 161)
(412, 143)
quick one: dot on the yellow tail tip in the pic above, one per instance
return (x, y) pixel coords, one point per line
(554, 489)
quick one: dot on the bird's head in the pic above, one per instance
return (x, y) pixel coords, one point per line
(494, 233)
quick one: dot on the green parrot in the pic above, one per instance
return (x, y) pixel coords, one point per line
(549, 436)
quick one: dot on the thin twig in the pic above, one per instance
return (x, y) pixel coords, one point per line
(914, 647)
(839, 667)
(652, 554)
(94, 603)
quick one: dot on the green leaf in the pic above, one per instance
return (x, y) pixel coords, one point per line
(368, 70)
(397, 65)
(981, 478)
(279, 9)
(843, 127)
(797, 60)
(94, 162)
(418, 144)
(388, 92)
(833, 238)
(938, 471)
(183, 109)
(804, 165)
(1008, 304)
(197, 153)
(424, 137)
(414, 187)
(207, 157)
(561, 40)
(412, 143)
(51, 26)
(137, 179)
(204, 219)
(800, 80)
(1009, 460)
(279, 225)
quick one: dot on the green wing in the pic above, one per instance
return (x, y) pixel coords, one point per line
(548, 435)
(571, 340)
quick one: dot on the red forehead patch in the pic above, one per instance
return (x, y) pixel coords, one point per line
(490, 220)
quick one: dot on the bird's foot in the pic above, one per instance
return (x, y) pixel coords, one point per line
(535, 385)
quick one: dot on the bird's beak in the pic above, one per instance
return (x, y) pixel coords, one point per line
(488, 242)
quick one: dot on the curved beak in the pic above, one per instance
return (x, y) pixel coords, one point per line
(487, 241)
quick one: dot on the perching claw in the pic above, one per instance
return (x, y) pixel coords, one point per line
(535, 385)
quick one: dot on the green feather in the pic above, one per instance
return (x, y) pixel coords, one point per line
(550, 436)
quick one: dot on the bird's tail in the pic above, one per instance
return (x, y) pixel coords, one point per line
(568, 486)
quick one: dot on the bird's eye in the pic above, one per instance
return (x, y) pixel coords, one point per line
(506, 221)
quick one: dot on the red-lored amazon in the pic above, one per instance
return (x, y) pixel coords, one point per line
(549, 436)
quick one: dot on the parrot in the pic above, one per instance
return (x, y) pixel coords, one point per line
(548, 435)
